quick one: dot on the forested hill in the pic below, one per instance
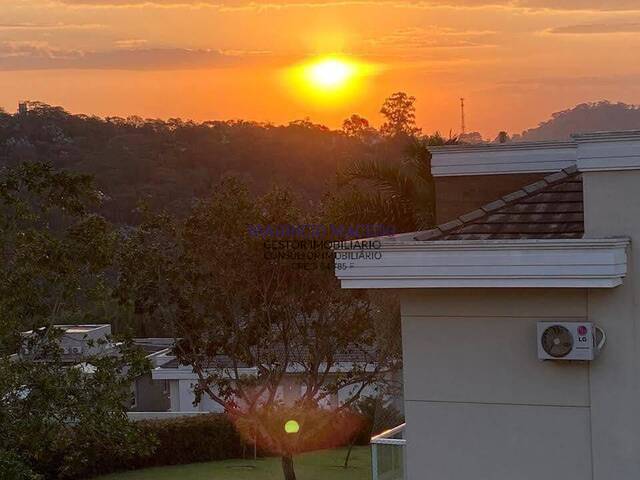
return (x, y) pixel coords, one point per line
(168, 163)
(584, 118)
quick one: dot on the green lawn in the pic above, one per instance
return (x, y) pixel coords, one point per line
(323, 465)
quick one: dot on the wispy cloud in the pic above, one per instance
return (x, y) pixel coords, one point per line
(596, 29)
(431, 37)
(40, 56)
(578, 5)
(49, 26)
(131, 43)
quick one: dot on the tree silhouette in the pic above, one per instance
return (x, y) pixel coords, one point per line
(397, 194)
(400, 113)
(358, 127)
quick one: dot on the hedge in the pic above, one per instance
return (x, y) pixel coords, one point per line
(210, 437)
(199, 438)
(183, 440)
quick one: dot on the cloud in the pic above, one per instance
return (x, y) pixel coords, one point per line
(40, 56)
(581, 5)
(48, 26)
(584, 5)
(431, 37)
(596, 28)
(563, 81)
(131, 43)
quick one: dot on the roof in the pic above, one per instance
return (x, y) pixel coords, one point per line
(220, 361)
(551, 208)
(153, 345)
(298, 355)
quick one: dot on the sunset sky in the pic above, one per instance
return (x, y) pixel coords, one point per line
(514, 61)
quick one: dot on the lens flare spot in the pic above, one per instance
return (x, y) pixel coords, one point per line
(292, 426)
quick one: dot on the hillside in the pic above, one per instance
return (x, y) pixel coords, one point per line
(586, 117)
(168, 163)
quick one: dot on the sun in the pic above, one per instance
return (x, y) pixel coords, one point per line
(329, 81)
(330, 73)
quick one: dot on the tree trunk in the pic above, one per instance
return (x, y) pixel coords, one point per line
(287, 467)
(346, 460)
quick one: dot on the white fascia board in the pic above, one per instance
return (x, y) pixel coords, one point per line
(338, 367)
(187, 373)
(608, 151)
(496, 159)
(566, 263)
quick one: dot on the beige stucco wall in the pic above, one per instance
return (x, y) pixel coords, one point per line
(612, 208)
(478, 403)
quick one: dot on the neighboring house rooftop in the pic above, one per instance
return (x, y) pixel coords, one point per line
(153, 345)
(551, 208)
(345, 358)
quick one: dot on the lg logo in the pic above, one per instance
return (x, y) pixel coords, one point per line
(582, 334)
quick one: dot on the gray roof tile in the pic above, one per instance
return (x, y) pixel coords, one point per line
(550, 208)
(450, 225)
(534, 187)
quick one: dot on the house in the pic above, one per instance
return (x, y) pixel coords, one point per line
(149, 395)
(77, 342)
(181, 380)
(562, 246)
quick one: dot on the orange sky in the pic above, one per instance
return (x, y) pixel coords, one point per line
(515, 61)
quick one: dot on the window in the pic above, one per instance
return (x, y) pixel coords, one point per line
(134, 395)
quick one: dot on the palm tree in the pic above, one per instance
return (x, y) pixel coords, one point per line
(400, 195)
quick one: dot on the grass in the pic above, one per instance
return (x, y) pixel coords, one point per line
(322, 465)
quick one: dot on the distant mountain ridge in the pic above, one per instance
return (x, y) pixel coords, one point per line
(584, 118)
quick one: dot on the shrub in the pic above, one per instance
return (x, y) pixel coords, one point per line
(200, 438)
(14, 468)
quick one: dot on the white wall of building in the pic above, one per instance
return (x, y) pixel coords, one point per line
(612, 207)
(478, 403)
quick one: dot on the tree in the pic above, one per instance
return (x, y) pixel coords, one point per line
(503, 137)
(400, 113)
(358, 127)
(247, 313)
(67, 421)
(55, 419)
(55, 252)
(399, 195)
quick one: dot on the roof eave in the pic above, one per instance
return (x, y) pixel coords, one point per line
(519, 263)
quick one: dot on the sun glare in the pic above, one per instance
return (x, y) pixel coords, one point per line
(329, 80)
(330, 73)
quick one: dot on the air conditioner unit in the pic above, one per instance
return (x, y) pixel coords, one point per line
(76, 350)
(569, 340)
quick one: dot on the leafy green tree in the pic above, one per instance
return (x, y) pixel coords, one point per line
(246, 313)
(56, 419)
(55, 253)
(399, 195)
(13, 467)
(69, 421)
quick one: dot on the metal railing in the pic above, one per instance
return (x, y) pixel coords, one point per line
(388, 455)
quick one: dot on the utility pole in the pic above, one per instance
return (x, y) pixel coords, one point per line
(462, 126)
